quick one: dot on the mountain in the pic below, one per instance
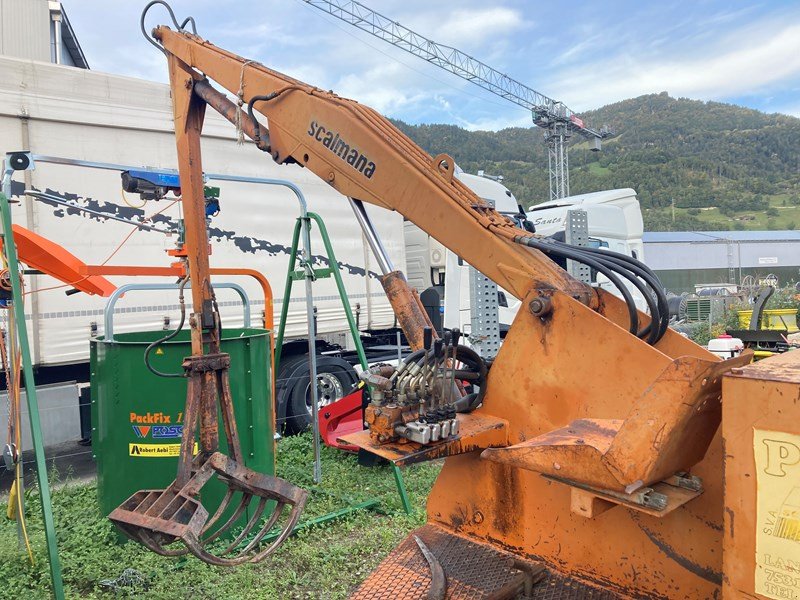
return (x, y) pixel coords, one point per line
(723, 166)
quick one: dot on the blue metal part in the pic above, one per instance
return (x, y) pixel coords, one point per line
(169, 179)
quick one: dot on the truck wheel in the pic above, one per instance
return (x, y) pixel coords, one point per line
(335, 377)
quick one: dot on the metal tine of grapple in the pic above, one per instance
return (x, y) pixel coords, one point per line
(251, 522)
(243, 504)
(281, 491)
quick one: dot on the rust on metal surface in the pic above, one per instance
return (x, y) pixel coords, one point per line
(676, 556)
(761, 400)
(381, 422)
(473, 570)
(159, 518)
(667, 431)
(406, 307)
(236, 115)
(476, 432)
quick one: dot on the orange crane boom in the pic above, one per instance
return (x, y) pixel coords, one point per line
(588, 450)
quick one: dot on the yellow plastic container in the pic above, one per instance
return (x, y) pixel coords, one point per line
(744, 318)
(780, 318)
(774, 318)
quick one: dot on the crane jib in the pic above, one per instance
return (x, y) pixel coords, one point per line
(349, 154)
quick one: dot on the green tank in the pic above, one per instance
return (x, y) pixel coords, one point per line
(137, 416)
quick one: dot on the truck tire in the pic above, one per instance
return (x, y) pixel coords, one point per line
(335, 376)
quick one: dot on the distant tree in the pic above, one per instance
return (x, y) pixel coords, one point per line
(772, 212)
(791, 225)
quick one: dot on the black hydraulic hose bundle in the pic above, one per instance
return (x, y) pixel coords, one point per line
(616, 267)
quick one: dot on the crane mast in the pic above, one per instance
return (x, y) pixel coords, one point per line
(558, 121)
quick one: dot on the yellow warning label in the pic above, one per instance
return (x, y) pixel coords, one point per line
(159, 351)
(777, 458)
(157, 450)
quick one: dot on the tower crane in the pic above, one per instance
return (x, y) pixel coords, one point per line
(557, 120)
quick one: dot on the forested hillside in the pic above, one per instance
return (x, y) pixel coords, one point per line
(723, 166)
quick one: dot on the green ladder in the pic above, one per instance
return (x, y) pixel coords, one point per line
(300, 270)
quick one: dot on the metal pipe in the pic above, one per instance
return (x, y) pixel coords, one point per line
(374, 242)
(18, 314)
(108, 312)
(235, 114)
(306, 240)
(56, 16)
(42, 197)
(312, 346)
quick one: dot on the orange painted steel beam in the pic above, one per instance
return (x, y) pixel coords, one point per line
(177, 270)
(402, 176)
(52, 259)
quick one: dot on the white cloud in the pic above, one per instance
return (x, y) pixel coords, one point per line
(748, 60)
(475, 26)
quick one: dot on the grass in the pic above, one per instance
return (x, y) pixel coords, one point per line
(596, 169)
(788, 216)
(327, 561)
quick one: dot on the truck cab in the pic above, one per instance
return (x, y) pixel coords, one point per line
(615, 219)
(430, 265)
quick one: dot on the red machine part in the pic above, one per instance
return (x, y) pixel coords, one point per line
(343, 417)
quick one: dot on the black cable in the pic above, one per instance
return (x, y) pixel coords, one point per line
(178, 26)
(168, 337)
(651, 332)
(624, 266)
(634, 271)
(549, 247)
(256, 125)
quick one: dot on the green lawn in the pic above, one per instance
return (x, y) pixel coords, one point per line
(787, 215)
(323, 562)
(596, 169)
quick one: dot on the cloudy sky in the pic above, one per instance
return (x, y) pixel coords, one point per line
(585, 53)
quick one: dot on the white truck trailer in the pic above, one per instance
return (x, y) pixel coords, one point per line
(62, 111)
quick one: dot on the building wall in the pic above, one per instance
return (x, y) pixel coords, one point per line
(680, 265)
(25, 29)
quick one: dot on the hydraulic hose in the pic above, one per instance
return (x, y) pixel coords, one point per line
(616, 266)
(550, 247)
(169, 336)
(647, 274)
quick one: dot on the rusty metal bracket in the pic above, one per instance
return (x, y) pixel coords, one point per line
(476, 431)
(657, 500)
(207, 363)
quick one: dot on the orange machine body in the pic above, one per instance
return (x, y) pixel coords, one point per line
(579, 417)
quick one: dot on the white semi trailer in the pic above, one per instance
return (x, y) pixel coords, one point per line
(85, 115)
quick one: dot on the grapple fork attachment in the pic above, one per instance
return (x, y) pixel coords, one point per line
(173, 521)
